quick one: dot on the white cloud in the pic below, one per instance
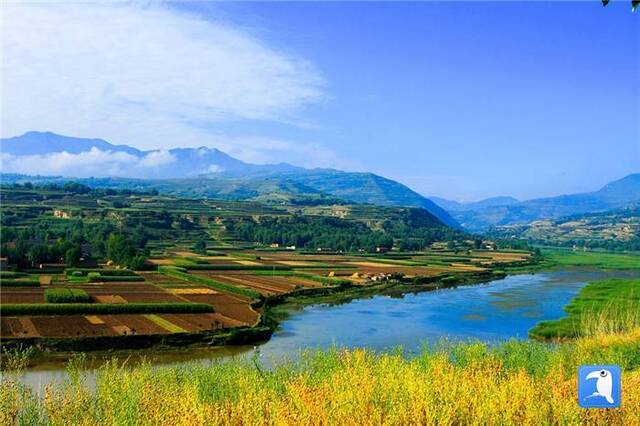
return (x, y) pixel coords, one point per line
(157, 158)
(144, 75)
(94, 162)
(214, 168)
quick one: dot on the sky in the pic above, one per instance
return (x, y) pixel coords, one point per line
(459, 100)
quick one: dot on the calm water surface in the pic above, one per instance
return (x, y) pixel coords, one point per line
(495, 311)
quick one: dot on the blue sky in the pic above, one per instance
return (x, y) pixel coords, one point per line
(461, 100)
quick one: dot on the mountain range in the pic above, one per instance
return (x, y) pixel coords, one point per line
(499, 211)
(209, 172)
(202, 171)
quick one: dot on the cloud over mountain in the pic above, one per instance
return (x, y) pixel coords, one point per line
(147, 75)
(94, 162)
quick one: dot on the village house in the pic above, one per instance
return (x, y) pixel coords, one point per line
(61, 214)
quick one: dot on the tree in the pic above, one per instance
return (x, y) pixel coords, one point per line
(200, 246)
(38, 253)
(120, 249)
(72, 256)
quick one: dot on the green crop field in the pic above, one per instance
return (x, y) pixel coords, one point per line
(596, 259)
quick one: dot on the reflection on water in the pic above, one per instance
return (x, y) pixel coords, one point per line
(494, 311)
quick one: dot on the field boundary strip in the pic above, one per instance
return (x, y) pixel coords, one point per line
(228, 288)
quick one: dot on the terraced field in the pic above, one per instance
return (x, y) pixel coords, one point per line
(190, 293)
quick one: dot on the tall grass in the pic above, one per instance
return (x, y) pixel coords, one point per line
(610, 318)
(601, 307)
(518, 382)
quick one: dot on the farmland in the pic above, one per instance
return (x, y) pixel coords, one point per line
(92, 268)
(182, 296)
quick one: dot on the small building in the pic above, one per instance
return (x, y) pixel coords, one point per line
(61, 214)
(3, 263)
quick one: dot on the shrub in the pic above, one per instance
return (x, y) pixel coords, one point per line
(104, 308)
(106, 271)
(12, 274)
(125, 278)
(94, 276)
(450, 280)
(66, 295)
(77, 274)
(423, 279)
(9, 282)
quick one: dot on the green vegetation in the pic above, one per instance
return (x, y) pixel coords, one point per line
(449, 383)
(595, 259)
(102, 272)
(617, 230)
(210, 267)
(602, 307)
(21, 282)
(311, 232)
(325, 280)
(239, 291)
(123, 250)
(66, 295)
(118, 278)
(48, 226)
(103, 308)
(12, 274)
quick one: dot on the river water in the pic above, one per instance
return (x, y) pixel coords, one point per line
(491, 312)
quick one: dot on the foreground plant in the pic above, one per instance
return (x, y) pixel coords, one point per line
(517, 382)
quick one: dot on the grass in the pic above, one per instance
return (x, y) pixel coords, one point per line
(175, 272)
(102, 308)
(596, 259)
(515, 383)
(601, 307)
(66, 295)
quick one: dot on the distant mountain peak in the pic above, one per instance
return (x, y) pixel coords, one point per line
(235, 176)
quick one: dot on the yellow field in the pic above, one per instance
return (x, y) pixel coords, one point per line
(517, 383)
(167, 325)
(184, 291)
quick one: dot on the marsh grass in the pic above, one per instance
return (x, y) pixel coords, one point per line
(602, 307)
(517, 382)
(610, 318)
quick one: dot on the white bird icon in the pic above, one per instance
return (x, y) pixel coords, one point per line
(604, 384)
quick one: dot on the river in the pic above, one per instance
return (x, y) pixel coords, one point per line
(491, 312)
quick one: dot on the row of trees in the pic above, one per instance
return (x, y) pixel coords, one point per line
(50, 241)
(414, 229)
(310, 232)
(73, 187)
